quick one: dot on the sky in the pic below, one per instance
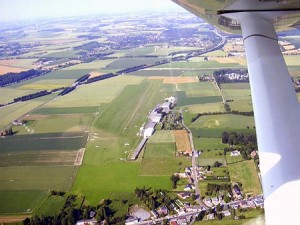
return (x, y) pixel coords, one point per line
(31, 9)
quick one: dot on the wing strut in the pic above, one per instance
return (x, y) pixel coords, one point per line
(277, 118)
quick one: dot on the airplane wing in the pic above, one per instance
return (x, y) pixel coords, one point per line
(275, 104)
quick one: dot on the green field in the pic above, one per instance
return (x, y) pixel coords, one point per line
(206, 108)
(216, 132)
(12, 112)
(51, 206)
(236, 94)
(203, 65)
(38, 158)
(159, 150)
(209, 143)
(235, 86)
(27, 201)
(97, 182)
(224, 121)
(183, 100)
(9, 94)
(163, 166)
(124, 63)
(30, 178)
(95, 93)
(211, 161)
(47, 141)
(157, 72)
(70, 110)
(162, 136)
(61, 54)
(55, 124)
(141, 51)
(45, 84)
(233, 159)
(241, 105)
(97, 64)
(199, 89)
(245, 172)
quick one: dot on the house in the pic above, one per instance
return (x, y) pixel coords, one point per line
(208, 202)
(162, 211)
(259, 202)
(215, 200)
(189, 187)
(148, 132)
(211, 216)
(235, 153)
(250, 204)
(17, 123)
(226, 213)
(243, 204)
(253, 154)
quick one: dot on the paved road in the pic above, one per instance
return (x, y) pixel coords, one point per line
(194, 167)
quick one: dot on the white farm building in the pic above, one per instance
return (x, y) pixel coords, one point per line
(148, 132)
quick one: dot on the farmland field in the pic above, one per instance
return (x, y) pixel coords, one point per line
(206, 108)
(159, 150)
(125, 175)
(97, 64)
(183, 100)
(245, 172)
(157, 72)
(204, 64)
(199, 89)
(236, 94)
(55, 124)
(182, 141)
(224, 121)
(38, 158)
(209, 143)
(241, 105)
(52, 206)
(47, 141)
(10, 113)
(9, 94)
(163, 166)
(46, 84)
(70, 110)
(95, 93)
(162, 136)
(130, 62)
(27, 200)
(216, 132)
(31, 178)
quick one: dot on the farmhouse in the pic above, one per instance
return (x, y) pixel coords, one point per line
(17, 123)
(235, 153)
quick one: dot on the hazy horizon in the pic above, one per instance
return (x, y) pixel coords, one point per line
(21, 10)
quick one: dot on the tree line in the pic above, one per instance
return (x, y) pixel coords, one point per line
(245, 143)
(234, 112)
(10, 78)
